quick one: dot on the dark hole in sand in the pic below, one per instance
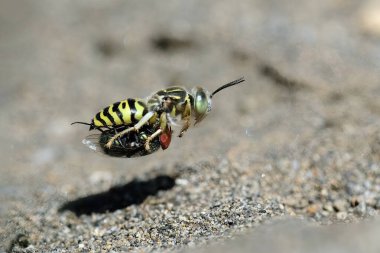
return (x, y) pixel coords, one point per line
(118, 197)
(20, 240)
(166, 43)
(279, 79)
(108, 47)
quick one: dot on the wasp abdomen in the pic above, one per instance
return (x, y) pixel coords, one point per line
(125, 112)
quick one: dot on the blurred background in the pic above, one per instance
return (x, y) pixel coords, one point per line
(299, 138)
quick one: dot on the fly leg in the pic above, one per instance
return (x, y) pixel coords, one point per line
(150, 138)
(136, 128)
(163, 125)
(119, 139)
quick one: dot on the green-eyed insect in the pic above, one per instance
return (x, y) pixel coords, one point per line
(156, 114)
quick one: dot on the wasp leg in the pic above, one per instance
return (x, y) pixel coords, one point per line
(185, 117)
(185, 126)
(136, 128)
(150, 138)
(163, 121)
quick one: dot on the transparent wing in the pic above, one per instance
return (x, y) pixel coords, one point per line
(92, 142)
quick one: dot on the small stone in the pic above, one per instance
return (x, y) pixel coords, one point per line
(371, 201)
(361, 209)
(328, 207)
(312, 209)
(340, 205)
(324, 213)
(291, 202)
(324, 192)
(335, 185)
(181, 181)
(341, 215)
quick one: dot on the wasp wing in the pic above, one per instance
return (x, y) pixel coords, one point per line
(92, 142)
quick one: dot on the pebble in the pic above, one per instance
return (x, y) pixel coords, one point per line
(361, 209)
(312, 210)
(341, 215)
(340, 205)
(328, 207)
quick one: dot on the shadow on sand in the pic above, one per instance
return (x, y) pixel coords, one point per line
(118, 197)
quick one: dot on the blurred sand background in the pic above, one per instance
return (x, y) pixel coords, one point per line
(299, 139)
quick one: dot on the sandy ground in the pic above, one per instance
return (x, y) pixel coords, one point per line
(300, 139)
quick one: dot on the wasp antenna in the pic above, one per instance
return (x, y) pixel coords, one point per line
(83, 123)
(237, 81)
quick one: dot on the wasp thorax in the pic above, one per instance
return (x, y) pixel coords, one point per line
(202, 103)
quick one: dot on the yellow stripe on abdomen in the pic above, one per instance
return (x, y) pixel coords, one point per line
(125, 112)
(97, 123)
(140, 109)
(105, 118)
(114, 112)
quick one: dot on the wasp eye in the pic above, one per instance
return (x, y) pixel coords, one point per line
(201, 104)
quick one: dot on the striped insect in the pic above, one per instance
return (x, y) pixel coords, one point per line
(157, 113)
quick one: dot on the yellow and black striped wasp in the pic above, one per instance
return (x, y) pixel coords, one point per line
(150, 120)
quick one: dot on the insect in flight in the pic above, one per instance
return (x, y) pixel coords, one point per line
(129, 125)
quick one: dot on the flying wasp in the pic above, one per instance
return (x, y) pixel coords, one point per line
(152, 117)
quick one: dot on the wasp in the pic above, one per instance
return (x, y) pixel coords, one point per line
(153, 116)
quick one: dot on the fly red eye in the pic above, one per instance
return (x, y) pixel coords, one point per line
(165, 139)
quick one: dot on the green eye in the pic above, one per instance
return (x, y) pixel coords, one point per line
(201, 103)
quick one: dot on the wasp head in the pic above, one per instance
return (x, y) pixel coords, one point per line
(202, 99)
